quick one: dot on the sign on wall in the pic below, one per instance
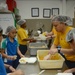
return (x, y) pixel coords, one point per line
(6, 19)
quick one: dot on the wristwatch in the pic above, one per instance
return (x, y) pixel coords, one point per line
(59, 48)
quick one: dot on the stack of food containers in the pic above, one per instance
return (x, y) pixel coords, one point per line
(33, 47)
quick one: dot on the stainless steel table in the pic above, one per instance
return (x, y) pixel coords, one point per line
(35, 69)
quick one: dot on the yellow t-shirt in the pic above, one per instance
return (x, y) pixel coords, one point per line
(54, 31)
(21, 35)
(60, 39)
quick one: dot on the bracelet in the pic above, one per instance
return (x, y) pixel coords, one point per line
(58, 48)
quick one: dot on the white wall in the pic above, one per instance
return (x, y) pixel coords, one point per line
(70, 8)
(25, 6)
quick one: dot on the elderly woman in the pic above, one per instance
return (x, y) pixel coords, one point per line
(61, 26)
(23, 36)
(53, 33)
(70, 38)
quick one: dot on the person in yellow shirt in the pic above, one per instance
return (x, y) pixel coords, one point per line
(70, 38)
(53, 32)
(22, 36)
(61, 25)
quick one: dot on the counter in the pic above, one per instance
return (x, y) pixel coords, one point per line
(35, 69)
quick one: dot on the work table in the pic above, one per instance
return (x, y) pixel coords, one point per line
(35, 69)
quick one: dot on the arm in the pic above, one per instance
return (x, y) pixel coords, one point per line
(72, 70)
(29, 39)
(8, 57)
(23, 36)
(19, 52)
(68, 51)
(49, 34)
(53, 50)
(17, 72)
(9, 67)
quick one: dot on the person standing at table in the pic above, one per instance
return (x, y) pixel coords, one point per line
(70, 38)
(11, 47)
(22, 36)
(4, 66)
(60, 25)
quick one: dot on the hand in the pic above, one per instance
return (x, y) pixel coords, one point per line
(53, 36)
(50, 37)
(11, 68)
(68, 71)
(11, 57)
(22, 56)
(33, 40)
(18, 72)
(47, 57)
(53, 51)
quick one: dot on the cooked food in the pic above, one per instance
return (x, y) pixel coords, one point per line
(15, 56)
(22, 61)
(52, 57)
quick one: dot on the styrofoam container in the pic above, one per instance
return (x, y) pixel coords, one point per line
(33, 47)
(64, 74)
(22, 61)
(32, 60)
(55, 63)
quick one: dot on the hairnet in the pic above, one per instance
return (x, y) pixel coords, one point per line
(9, 28)
(70, 35)
(65, 19)
(69, 21)
(21, 22)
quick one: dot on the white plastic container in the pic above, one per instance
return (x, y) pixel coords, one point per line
(49, 64)
(33, 47)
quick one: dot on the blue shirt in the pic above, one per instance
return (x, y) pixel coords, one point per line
(2, 67)
(11, 47)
